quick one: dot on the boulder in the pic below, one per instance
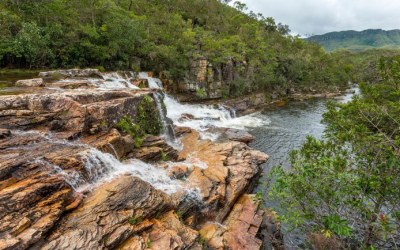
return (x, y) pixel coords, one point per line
(232, 169)
(77, 112)
(72, 84)
(232, 134)
(36, 82)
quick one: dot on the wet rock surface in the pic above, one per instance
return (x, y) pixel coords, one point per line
(56, 147)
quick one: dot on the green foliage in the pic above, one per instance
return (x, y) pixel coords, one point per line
(203, 242)
(147, 121)
(149, 243)
(126, 125)
(337, 225)
(180, 214)
(133, 220)
(348, 184)
(148, 117)
(201, 93)
(164, 156)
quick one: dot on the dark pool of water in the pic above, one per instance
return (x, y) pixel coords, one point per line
(8, 79)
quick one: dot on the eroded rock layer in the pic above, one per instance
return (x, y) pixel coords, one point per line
(60, 188)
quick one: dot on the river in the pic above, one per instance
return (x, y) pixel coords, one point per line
(288, 128)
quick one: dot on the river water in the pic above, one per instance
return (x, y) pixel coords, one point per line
(288, 128)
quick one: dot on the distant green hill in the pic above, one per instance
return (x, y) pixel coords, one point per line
(359, 40)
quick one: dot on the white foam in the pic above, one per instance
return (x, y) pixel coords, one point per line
(190, 162)
(103, 167)
(72, 177)
(207, 116)
(114, 80)
(154, 83)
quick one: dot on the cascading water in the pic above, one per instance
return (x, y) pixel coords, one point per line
(203, 117)
(115, 80)
(101, 167)
(168, 130)
(104, 167)
(154, 83)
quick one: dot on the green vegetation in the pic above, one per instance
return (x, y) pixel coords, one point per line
(149, 243)
(126, 125)
(164, 156)
(251, 52)
(347, 185)
(133, 220)
(147, 121)
(148, 118)
(359, 41)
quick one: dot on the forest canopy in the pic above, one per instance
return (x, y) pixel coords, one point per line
(164, 36)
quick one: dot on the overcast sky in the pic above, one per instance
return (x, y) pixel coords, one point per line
(322, 16)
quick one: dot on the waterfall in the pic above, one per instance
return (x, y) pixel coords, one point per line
(204, 117)
(201, 117)
(168, 129)
(154, 83)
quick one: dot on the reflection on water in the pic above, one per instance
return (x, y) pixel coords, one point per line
(288, 129)
(8, 79)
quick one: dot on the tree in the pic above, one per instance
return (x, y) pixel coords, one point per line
(348, 184)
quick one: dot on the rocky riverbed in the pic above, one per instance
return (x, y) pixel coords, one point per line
(72, 176)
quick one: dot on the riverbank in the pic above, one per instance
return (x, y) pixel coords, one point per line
(252, 103)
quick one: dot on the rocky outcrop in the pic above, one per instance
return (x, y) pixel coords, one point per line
(109, 216)
(71, 112)
(36, 82)
(61, 74)
(229, 173)
(239, 230)
(247, 104)
(57, 149)
(231, 134)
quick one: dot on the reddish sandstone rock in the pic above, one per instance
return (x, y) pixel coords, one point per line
(240, 228)
(110, 215)
(232, 168)
(75, 112)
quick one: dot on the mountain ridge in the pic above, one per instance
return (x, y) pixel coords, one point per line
(358, 40)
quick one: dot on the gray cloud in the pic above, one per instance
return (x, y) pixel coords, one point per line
(322, 16)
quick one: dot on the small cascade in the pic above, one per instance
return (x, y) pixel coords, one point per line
(154, 83)
(168, 129)
(115, 80)
(203, 117)
(103, 167)
(73, 178)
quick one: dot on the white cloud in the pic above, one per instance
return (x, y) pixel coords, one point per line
(321, 16)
